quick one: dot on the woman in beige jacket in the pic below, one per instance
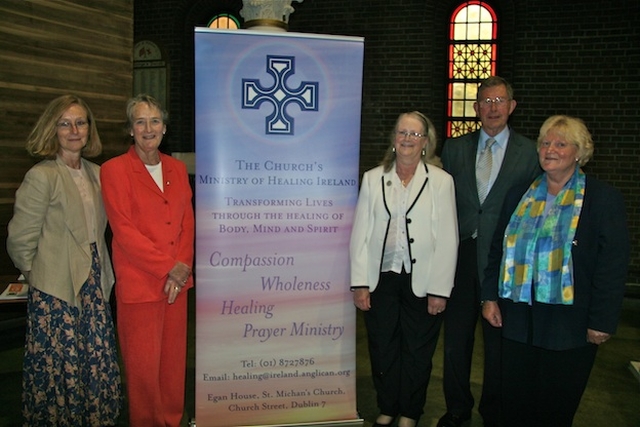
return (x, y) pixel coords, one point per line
(56, 239)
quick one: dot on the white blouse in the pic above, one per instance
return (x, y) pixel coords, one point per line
(396, 249)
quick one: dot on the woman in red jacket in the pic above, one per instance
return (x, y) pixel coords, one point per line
(147, 197)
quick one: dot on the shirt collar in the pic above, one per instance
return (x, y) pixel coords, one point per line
(501, 139)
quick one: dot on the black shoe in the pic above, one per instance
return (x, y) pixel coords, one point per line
(453, 420)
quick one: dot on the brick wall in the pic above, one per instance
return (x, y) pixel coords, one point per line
(577, 57)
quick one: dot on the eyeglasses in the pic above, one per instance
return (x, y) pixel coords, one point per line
(498, 101)
(414, 136)
(66, 125)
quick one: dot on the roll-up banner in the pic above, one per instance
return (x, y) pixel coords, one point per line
(277, 145)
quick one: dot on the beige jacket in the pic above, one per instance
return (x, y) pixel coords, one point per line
(48, 238)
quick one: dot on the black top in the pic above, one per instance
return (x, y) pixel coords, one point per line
(600, 261)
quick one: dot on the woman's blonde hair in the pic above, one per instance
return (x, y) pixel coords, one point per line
(43, 139)
(574, 131)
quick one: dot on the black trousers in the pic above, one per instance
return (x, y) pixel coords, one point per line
(402, 339)
(460, 320)
(543, 387)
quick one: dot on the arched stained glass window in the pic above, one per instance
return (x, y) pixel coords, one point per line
(224, 20)
(473, 34)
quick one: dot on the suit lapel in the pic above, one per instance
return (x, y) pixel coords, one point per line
(167, 176)
(94, 180)
(510, 163)
(74, 218)
(469, 158)
(417, 186)
(421, 177)
(142, 175)
(386, 184)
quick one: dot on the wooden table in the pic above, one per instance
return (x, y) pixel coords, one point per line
(13, 312)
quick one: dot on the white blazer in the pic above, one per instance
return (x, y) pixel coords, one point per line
(432, 230)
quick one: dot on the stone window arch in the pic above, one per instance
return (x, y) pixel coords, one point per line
(150, 71)
(225, 21)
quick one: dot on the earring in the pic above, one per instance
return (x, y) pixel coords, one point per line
(394, 149)
(577, 159)
(424, 152)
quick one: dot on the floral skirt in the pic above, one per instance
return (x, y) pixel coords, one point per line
(71, 375)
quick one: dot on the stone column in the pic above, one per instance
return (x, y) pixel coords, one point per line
(267, 15)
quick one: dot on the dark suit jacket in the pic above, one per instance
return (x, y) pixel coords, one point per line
(600, 261)
(520, 165)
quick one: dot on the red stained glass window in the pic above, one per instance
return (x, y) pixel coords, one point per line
(473, 34)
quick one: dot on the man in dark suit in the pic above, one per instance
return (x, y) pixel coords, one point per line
(484, 165)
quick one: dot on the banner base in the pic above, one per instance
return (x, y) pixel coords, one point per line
(359, 422)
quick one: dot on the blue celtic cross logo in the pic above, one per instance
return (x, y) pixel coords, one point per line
(280, 95)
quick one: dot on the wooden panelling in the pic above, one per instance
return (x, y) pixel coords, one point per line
(49, 48)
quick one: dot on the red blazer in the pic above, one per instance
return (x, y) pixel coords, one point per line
(151, 229)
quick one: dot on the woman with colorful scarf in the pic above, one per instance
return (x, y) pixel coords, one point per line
(555, 279)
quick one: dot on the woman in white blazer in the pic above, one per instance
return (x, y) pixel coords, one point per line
(403, 258)
(56, 239)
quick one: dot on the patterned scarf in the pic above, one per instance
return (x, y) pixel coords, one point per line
(537, 247)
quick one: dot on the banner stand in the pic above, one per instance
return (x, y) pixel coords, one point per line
(277, 126)
(346, 423)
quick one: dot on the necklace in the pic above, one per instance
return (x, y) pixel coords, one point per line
(405, 173)
(406, 181)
